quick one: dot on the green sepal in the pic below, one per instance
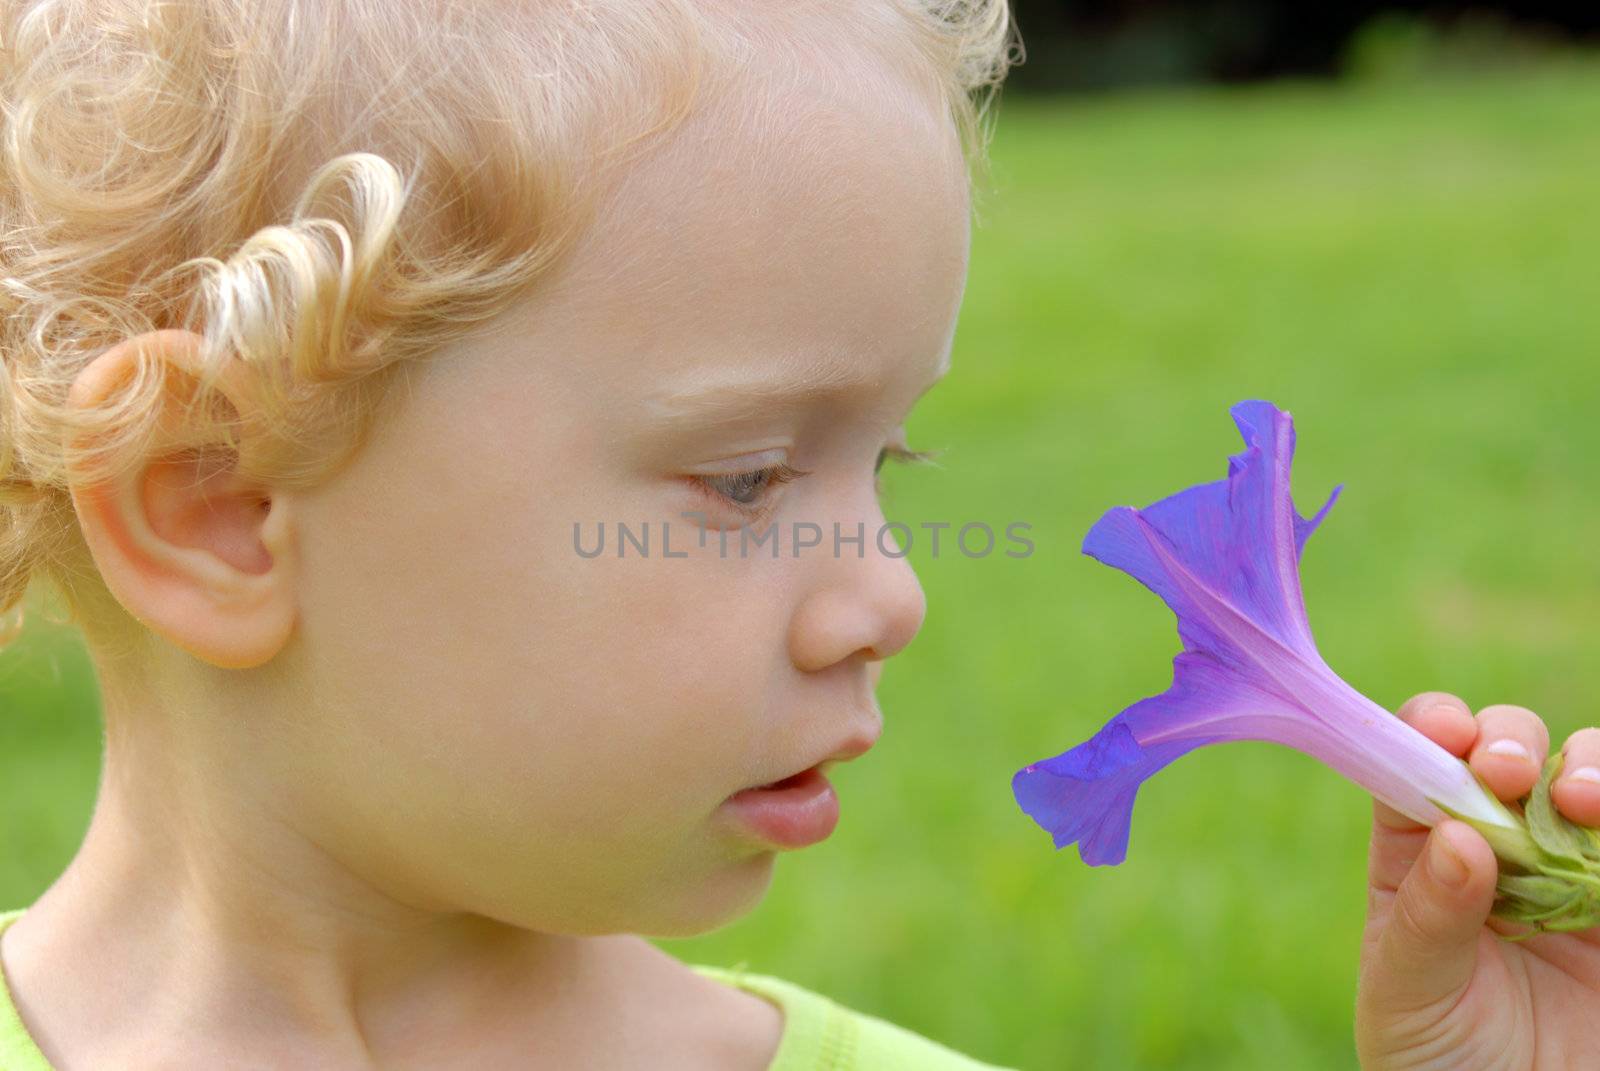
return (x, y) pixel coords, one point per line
(1550, 867)
(1534, 889)
(1567, 843)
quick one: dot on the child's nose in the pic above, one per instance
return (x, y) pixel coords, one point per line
(869, 606)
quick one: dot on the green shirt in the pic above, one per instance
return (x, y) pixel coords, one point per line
(818, 1035)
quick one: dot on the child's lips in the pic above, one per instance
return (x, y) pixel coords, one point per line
(798, 811)
(858, 743)
(802, 808)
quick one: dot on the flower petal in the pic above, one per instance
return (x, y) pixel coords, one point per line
(1239, 538)
(1086, 794)
(1224, 557)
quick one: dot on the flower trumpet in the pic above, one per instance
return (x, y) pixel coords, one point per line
(1224, 557)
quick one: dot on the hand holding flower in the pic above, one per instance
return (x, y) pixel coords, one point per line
(1437, 988)
(1481, 948)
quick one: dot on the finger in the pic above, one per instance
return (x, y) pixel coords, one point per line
(1396, 843)
(1443, 718)
(1397, 839)
(1428, 948)
(1577, 791)
(1385, 819)
(1511, 749)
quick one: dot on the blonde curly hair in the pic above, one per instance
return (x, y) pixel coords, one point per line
(325, 190)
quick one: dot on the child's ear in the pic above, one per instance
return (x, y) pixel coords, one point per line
(188, 548)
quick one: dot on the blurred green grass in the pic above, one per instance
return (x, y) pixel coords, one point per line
(1408, 269)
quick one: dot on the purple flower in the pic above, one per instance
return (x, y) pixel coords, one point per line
(1225, 557)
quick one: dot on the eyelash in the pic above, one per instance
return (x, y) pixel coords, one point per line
(762, 479)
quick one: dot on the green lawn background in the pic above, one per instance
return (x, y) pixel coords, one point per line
(1410, 269)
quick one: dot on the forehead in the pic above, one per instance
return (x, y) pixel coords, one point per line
(807, 221)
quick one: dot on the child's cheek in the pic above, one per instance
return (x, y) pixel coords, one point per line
(697, 648)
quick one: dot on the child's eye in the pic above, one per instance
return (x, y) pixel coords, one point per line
(747, 491)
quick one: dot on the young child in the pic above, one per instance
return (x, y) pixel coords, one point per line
(334, 332)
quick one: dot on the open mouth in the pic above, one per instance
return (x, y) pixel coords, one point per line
(792, 780)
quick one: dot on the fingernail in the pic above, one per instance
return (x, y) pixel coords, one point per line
(1443, 710)
(1583, 773)
(1509, 747)
(1445, 862)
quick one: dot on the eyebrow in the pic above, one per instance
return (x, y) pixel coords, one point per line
(713, 399)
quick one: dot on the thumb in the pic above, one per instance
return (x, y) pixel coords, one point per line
(1429, 947)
